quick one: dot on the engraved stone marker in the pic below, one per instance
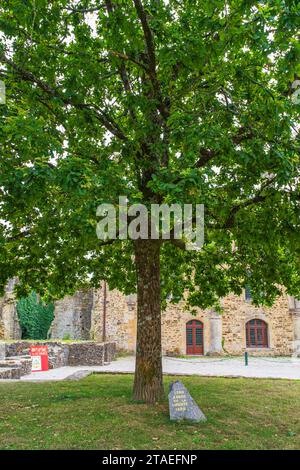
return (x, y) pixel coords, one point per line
(182, 406)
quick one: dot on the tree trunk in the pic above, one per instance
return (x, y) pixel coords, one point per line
(148, 381)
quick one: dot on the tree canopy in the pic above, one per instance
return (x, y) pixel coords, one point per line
(160, 101)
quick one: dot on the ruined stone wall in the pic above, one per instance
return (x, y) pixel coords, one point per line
(1, 330)
(9, 322)
(63, 353)
(81, 317)
(72, 316)
(120, 319)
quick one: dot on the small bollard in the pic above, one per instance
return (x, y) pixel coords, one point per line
(246, 358)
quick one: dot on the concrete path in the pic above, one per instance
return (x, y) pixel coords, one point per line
(279, 367)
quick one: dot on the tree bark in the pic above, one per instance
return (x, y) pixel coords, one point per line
(148, 381)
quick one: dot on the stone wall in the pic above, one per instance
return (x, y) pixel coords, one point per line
(227, 329)
(121, 323)
(109, 351)
(120, 319)
(73, 316)
(174, 320)
(90, 353)
(237, 312)
(87, 353)
(2, 334)
(57, 352)
(81, 317)
(9, 322)
(15, 360)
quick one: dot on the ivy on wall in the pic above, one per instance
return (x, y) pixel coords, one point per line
(35, 317)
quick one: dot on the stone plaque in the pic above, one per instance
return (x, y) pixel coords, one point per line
(182, 406)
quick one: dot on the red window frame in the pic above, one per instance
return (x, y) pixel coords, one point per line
(257, 334)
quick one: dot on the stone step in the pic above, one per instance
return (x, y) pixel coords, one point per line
(5, 373)
(10, 373)
(18, 367)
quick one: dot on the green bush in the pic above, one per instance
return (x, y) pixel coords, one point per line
(35, 317)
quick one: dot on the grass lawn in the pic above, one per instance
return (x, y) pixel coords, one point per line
(98, 413)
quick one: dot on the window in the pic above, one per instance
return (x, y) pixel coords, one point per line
(256, 334)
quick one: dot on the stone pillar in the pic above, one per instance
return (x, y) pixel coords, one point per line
(294, 308)
(215, 322)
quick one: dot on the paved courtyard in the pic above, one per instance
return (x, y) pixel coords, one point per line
(279, 367)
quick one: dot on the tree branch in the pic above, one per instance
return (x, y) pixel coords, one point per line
(147, 35)
(122, 68)
(85, 10)
(206, 154)
(162, 106)
(101, 116)
(129, 58)
(229, 223)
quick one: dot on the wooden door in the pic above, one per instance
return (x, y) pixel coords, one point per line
(194, 337)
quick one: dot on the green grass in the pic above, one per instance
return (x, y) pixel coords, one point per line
(98, 413)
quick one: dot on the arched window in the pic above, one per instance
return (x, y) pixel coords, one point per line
(194, 337)
(256, 334)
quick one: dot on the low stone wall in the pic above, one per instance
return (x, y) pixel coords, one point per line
(58, 352)
(88, 353)
(17, 348)
(109, 351)
(57, 355)
(9, 373)
(15, 360)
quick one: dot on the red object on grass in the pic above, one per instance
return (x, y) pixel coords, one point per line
(39, 356)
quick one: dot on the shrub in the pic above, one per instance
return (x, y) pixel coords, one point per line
(35, 317)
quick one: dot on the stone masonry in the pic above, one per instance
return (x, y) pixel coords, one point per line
(81, 317)
(223, 333)
(120, 319)
(9, 323)
(73, 316)
(15, 360)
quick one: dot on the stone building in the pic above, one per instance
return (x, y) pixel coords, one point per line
(241, 326)
(105, 315)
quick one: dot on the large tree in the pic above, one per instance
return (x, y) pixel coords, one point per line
(163, 102)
